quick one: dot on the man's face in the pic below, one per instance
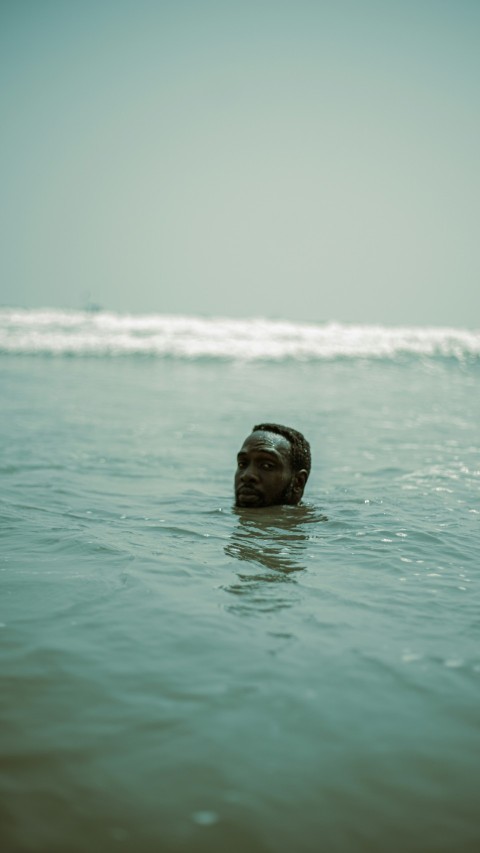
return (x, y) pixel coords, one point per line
(264, 475)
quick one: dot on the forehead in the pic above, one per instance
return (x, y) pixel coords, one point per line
(267, 442)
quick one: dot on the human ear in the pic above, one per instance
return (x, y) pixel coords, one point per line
(299, 481)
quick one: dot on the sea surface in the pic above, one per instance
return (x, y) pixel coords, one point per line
(179, 675)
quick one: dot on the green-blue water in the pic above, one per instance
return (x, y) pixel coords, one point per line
(177, 675)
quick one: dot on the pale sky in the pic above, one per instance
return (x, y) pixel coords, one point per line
(295, 159)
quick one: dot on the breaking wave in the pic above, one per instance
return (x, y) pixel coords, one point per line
(105, 333)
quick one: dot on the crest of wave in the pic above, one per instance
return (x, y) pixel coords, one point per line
(58, 332)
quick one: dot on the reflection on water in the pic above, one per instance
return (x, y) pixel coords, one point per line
(275, 538)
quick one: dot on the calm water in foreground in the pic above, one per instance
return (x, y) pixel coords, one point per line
(177, 675)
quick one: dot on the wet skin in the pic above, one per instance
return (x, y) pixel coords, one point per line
(264, 475)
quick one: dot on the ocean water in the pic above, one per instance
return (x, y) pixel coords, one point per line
(179, 675)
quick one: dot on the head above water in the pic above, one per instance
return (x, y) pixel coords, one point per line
(273, 465)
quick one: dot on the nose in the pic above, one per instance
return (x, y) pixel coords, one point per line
(249, 475)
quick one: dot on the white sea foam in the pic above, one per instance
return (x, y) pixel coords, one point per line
(59, 332)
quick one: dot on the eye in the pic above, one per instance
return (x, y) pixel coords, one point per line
(267, 466)
(240, 464)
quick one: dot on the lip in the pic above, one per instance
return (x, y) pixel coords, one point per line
(248, 494)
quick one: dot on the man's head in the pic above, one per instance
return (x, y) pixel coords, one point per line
(272, 467)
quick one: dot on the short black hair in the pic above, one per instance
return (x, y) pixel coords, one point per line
(300, 453)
